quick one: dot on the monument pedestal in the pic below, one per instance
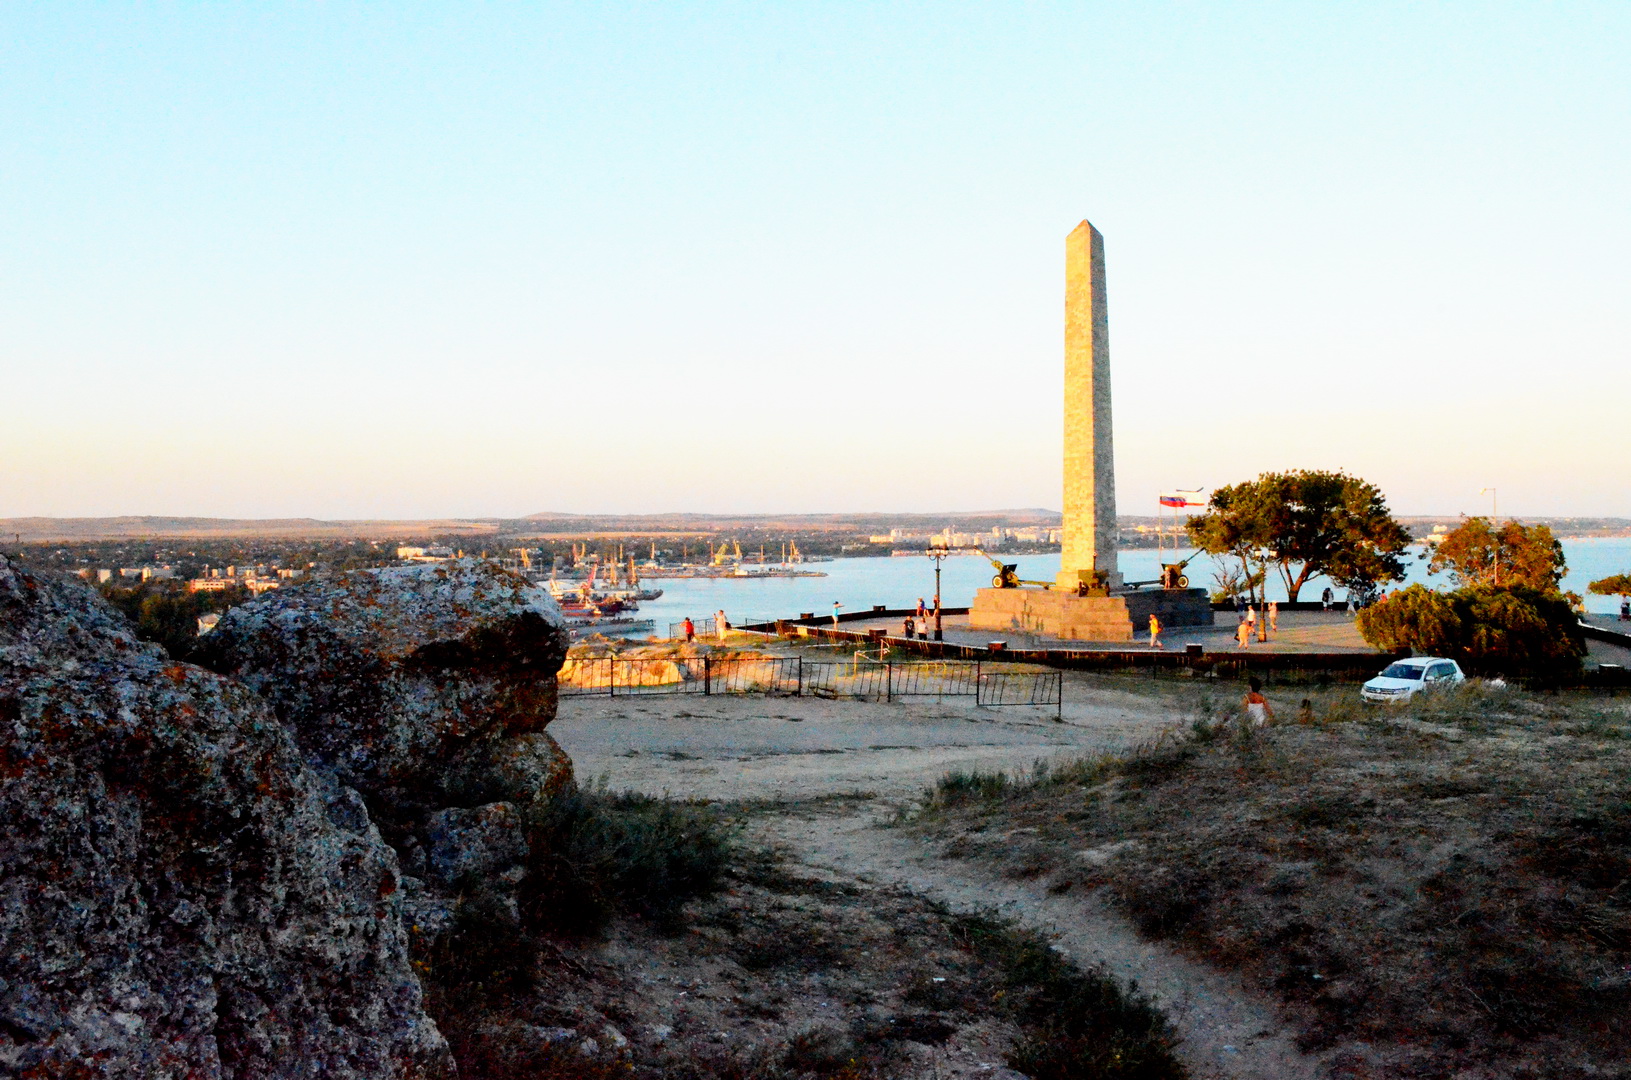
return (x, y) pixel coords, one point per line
(1061, 613)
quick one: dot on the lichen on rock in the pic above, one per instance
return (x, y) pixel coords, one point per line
(422, 687)
(181, 894)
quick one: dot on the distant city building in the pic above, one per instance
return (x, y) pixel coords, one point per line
(434, 553)
(208, 584)
(104, 576)
(158, 573)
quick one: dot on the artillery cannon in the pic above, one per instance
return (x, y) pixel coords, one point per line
(1172, 576)
(1007, 576)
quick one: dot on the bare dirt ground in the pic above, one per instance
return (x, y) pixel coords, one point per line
(822, 782)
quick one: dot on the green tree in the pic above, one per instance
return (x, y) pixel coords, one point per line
(164, 612)
(1305, 523)
(1513, 630)
(1480, 555)
(1615, 585)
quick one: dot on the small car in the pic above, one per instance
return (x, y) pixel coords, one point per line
(1404, 679)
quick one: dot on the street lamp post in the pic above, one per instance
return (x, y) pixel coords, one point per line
(938, 554)
(1494, 523)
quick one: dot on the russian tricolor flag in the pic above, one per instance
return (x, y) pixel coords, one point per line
(1182, 498)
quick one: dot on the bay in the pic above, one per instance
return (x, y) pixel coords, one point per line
(859, 583)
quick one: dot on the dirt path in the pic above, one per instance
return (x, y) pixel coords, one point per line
(786, 754)
(1228, 1030)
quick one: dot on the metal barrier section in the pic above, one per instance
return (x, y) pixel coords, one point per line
(1022, 688)
(859, 678)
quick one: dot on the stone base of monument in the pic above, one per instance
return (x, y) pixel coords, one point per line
(1061, 613)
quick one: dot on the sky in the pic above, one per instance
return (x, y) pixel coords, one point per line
(428, 260)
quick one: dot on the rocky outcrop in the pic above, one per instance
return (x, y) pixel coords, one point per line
(422, 687)
(181, 895)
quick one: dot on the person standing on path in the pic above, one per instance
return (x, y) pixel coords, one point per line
(910, 629)
(690, 629)
(1325, 599)
(922, 612)
(1274, 617)
(835, 606)
(720, 625)
(1155, 631)
(1258, 712)
(1243, 634)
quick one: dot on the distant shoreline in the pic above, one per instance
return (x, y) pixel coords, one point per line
(68, 530)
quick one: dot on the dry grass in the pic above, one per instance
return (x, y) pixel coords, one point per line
(790, 977)
(1429, 889)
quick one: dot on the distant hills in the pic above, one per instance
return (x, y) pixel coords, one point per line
(556, 524)
(68, 530)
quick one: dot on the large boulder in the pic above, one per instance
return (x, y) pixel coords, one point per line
(180, 894)
(422, 687)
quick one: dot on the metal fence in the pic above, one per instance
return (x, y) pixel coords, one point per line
(858, 678)
(707, 628)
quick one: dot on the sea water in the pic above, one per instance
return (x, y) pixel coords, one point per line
(898, 582)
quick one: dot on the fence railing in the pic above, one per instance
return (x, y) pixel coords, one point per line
(859, 677)
(707, 628)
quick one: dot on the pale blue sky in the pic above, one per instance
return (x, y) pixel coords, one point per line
(423, 260)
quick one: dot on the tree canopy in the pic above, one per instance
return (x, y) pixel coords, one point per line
(1481, 555)
(1615, 585)
(1512, 630)
(1305, 523)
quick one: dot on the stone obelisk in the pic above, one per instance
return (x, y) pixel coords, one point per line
(1105, 610)
(1089, 548)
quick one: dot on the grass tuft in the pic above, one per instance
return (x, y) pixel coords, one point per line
(596, 854)
(1079, 1025)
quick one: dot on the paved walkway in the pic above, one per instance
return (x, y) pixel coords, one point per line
(1300, 631)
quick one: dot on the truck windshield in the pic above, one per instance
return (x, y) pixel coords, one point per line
(1403, 671)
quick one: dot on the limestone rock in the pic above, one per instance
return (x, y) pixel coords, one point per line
(409, 683)
(180, 894)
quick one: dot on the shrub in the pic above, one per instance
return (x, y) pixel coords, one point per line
(1517, 631)
(596, 854)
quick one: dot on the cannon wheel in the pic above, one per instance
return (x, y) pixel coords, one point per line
(999, 582)
(1183, 581)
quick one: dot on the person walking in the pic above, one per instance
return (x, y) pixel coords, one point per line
(1258, 712)
(1325, 599)
(1155, 631)
(720, 625)
(690, 629)
(1274, 617)
(1243, 634)
(910, 629)
(835, 606)
(1625, 610)
(922, 612)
